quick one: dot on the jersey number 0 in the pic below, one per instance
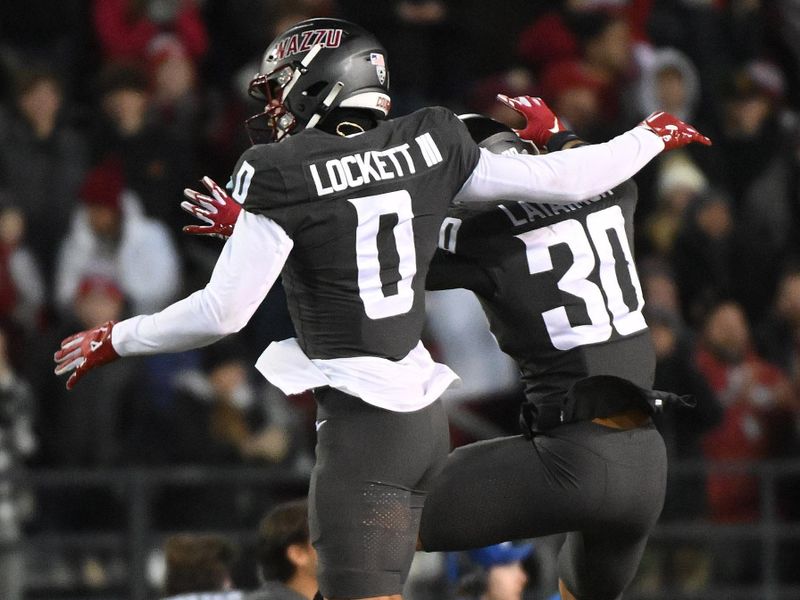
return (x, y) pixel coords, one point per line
(384, 298)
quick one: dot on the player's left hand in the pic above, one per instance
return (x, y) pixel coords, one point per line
(541, 122)
(219, 210)
(672, 131)
(81, 352)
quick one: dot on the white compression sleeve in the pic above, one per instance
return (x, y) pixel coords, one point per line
(560, 177)
(248, 266)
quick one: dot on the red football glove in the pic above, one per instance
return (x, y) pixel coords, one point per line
(219, 210)
(84, 351)
(672, 131)
(541, 122)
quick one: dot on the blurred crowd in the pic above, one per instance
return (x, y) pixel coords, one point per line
(110, 108)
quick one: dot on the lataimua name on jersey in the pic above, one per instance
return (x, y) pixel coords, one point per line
(359, 169)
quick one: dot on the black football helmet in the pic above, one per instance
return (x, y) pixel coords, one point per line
(495, 136)
(313, 67)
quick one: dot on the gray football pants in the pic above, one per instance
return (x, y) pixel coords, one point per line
(373, 470)
(604, 486)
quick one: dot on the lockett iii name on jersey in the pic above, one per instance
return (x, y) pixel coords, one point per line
(355, 170)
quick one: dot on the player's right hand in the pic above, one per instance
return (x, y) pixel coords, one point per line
(541, 122)
(672, 131)
(219, 210)
(81, 352)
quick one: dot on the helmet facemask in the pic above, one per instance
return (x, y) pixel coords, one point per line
(277, 121)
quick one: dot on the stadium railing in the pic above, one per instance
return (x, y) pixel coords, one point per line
(137, 489)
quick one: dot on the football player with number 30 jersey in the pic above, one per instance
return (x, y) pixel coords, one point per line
(560, 289)
(347, 207)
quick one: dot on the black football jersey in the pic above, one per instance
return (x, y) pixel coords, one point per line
(559, 287)
(364, 214)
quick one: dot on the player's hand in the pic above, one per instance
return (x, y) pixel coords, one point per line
(541, 122)
(218, 210)
(672, 131)
(81, 352)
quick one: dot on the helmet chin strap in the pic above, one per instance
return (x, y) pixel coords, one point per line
(354, 129)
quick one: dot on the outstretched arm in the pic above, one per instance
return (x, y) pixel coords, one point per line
(560, 178)
(248, 266)
(585, 172)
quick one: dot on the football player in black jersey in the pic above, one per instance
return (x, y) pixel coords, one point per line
(560, 289)
(347, 207)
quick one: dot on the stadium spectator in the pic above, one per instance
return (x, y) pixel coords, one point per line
(17, 443)
(196, 564)
(605, 40)
(22, 287)
(778, 335)
(425, 32)
(714, 35)
(547, 40)
(110, 237)
(237, 38)
(681, 565)
(496, 573)
(84, 431)
(683, 427)
(778, 340)
(659, 286)
(516, 81)
(174, 92)
(757, 167)
(678, 182)
(214, 415)
(669, 82)
(221, 417)
(704, 255)
(605, 65)
(752, 392)
(127, 29)
(40, 30)
(757, 421)
(784, 19)
(87, 429)
(287, 562)
(667, 78)
(42, 159)
(576, 95)
(156, 144)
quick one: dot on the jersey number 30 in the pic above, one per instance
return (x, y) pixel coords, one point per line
(606, 307)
